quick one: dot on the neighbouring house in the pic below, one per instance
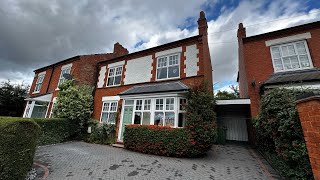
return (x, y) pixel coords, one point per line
(288, 57)
(148, 87)
(44, 89)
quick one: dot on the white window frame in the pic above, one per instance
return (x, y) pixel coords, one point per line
(168, 56)
(295, 48)
(109, 111)
(114, 76)
(52, 107)
(40, 78)
(142, 110)
(63, 68)
(183, 111)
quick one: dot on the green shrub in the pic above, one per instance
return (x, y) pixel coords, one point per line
(101, 133)
(159, 140)
(280, 136)
(56, 130)
(195, 139)
(18, 140)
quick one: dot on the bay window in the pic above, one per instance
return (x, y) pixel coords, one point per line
(291, 56)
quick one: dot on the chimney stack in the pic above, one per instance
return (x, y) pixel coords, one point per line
(202, 24)
(241, 32)
(119, 50)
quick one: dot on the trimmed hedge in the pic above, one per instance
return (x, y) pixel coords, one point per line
(159, 140)
(101, 133)
(56, 130)
(280, 136)
(18, 140)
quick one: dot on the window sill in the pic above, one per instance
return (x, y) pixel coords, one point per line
(168, 79)
(292, 70)
(35, 92)
(113, 86)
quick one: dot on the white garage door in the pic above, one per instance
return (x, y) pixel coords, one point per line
(236, 128)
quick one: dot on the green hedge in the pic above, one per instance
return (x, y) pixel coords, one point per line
(18, 140)
(55, 130)
(101, 133)
(280, 136)
(159, 140)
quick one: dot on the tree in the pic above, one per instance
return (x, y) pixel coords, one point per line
(74, 102)
(228, 95)
(12, 97)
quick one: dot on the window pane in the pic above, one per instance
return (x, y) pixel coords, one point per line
(117, 80)
(304, 61)
(162, 73)
(111, 72)
(301, 48)
(278, 64)
(284, 51)
(182, 120)
(106, 106)
(170, 104)
(113, 106)
(286, 62)
(183, 103)
(169, 121)
(110, 81)
(294, 62)
(128, 102)
(147, 104)
(139, 105)
(291, 50)
(104, 117)
(158, 118)
(119, 70)
(275, 52)
(146, 118)
(159, 104)
(137, 118)
(173, 71)
(112, 118)
(173, 60)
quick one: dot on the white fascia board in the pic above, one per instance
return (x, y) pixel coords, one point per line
(42, 73)
(233, 101)
(110, 98)
(153, 95)
(44, 98)
(287, 39)
(169, 51)
(120, 63)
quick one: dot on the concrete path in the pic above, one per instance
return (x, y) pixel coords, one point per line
(80, 160)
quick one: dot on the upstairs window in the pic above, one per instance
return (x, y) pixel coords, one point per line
(39, 83)
(114, 76)
(63, 72)
(291, 56)
(168, 67)
(109, 112)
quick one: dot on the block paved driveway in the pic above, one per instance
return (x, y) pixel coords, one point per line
(80, 160)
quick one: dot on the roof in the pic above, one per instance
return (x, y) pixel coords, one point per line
(42, 98)
(67, 60)
(156, 88)
(306, 75)
(157, 48)
(283, 31)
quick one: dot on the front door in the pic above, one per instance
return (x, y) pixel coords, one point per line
(127, 116)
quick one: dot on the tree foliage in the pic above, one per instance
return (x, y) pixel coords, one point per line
(228, 95)
(74, 102)
(12, 99)
(279, 133)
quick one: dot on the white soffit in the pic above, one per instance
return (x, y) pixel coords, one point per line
(42, 73)
(169, 51)
(44, 98)
(66, 66)
(120, 63)
(110, 98)
(233, 101)
(288, 39)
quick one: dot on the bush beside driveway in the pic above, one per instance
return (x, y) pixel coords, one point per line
(80, 160)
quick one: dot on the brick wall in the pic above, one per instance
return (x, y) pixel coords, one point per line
(309, 113)
(258, 65)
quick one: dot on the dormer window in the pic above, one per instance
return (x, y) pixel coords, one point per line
(291, 56)
(114, 76)
(168, 67)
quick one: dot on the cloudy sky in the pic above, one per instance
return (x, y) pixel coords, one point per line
(36, 33)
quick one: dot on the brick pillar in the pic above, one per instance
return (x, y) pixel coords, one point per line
(309, 113)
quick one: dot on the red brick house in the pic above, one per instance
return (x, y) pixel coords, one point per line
(288, 57)
(148, 87)
(145, 87)
(44, 88)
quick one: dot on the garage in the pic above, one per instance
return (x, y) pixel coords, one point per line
(234, 117)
